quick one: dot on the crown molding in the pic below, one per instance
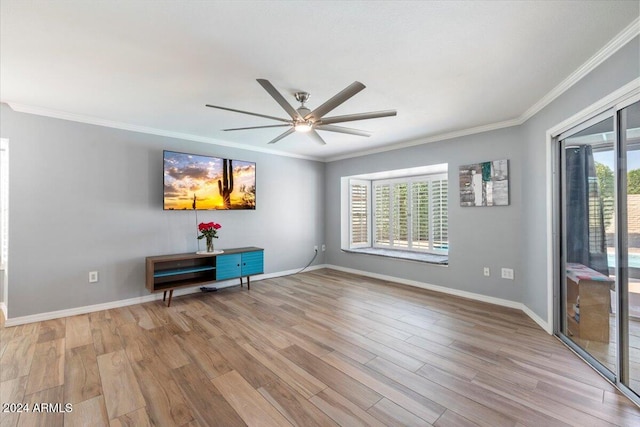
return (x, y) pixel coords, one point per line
(627, 91)
(435, 138)
(624, 37)
(615, 44)
(29, 109)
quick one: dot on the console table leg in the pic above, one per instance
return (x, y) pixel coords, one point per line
(164, 296)
(248, 283)
(241, 282)
(170, 296)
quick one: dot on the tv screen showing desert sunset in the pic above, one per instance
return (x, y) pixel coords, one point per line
(203, 182)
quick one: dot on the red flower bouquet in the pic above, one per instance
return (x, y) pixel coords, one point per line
(209, 231)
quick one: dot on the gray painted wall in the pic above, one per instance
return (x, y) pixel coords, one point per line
(620, 69)
(86, 197)
(513, 236)
(478, 237)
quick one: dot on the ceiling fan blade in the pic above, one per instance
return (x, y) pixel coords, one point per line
(337, 99)
(257, 127)
(358, 116)
(246, 112)
(341, 129)
(316, 136)
(278, 138)
(279, 99)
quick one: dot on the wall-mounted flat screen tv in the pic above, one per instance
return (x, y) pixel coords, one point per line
(193, 181)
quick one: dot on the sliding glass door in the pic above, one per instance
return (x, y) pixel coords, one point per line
(629, 180)
(598, 280)
(588, 162)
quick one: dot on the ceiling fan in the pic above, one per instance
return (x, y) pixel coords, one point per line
(304, 120)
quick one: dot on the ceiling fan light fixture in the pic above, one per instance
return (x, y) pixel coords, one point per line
(303, 126)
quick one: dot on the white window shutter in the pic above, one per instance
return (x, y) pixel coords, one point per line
(439, 215)
(420, 216)
(382, 215)
(360, 214)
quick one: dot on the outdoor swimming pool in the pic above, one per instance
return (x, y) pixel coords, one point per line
(634, 260)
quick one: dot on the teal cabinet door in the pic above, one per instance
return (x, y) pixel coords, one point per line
(252, 263)
(228, 266)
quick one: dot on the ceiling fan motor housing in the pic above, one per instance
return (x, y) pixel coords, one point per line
(303, 125)
(302, 97)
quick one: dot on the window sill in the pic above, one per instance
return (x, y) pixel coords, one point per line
(406, 255)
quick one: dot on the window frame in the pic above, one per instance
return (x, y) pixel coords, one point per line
(372, 219)
(410, 181)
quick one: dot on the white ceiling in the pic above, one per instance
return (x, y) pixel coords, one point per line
(445, 66)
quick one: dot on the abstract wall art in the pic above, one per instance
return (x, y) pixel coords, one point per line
(485, 184)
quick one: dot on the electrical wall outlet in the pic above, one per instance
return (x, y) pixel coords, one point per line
(487, 271)
(507, 273)
(324, 248)
(315, 248)
(93, 276)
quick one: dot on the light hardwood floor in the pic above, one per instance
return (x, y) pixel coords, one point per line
(606, 353)
(320, 348)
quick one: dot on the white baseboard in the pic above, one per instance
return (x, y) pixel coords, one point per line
(3, 308)
(229, 283)
(548, 327)
(137, 300)
(456, 292)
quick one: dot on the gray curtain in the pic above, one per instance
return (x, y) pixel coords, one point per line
(586, 240)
